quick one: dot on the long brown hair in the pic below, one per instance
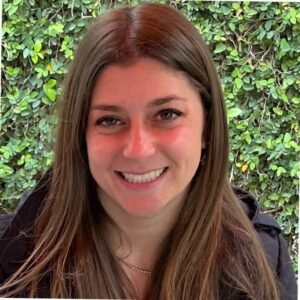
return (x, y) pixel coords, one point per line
(212, 252)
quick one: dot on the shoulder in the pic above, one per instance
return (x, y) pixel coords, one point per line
(5, 220)
(265, 225)
(12, 244)
(27, 210)
(16, 230)
(269, 233)
(259, 219)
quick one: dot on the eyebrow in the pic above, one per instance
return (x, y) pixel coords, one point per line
(106, 107)
(153, 103)
(164, 100)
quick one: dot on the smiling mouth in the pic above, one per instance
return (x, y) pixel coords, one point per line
(142, 178)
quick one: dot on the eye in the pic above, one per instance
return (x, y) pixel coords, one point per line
(168, 114)
(108, 121)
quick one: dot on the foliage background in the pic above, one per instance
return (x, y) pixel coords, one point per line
(256, 49)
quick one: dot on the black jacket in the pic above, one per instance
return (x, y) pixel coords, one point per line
(15, 244)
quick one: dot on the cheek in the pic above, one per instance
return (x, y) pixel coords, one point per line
(100, 150)
(184, 144)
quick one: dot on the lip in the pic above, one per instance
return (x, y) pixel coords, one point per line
(141, 186)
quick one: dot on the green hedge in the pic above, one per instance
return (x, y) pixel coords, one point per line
(256, 49)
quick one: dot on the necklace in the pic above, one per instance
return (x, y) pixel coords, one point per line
(133, 268)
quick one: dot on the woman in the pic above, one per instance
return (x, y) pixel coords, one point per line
(137, 203)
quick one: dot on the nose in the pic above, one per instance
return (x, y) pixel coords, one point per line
(139, 141)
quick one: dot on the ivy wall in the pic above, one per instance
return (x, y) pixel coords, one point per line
(256, 49)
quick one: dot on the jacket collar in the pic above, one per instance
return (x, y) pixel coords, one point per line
(251, 207)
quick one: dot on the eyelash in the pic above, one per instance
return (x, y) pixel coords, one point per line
(175, 114)
(104, 119)
(117, 122)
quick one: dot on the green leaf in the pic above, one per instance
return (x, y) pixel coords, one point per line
(280, 171)
(26, 52)
(261, 83)
(55, 29)
(293, 20)
(268, 25)
(234, 112)
(220, 48)
(50, 92)
(236, 73)
(234, 53)
(252, 166)
(261, 35)
(236, 6)
(293, 144)
(37, 46)
(284, 45)
(35, 58)
(5, 171)
(12, 10)
(238, 83)
(287, 138)
(51, 83)
(278, 111)
(273, 92)
(231, 26)
(269, 144)
(248, 69)
(41, 72)
(274, 167)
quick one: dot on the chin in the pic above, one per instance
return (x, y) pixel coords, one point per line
(142, 207)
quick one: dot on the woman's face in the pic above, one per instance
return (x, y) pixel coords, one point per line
(144, 137)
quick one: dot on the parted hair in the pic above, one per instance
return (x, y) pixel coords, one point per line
(212, 252)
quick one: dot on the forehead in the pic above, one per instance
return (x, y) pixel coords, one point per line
(143, 79)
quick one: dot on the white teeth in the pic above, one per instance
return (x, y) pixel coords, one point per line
(144, 177)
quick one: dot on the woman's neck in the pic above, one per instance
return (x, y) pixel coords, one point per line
(139, 246)
(141, 237)
(137, 240)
